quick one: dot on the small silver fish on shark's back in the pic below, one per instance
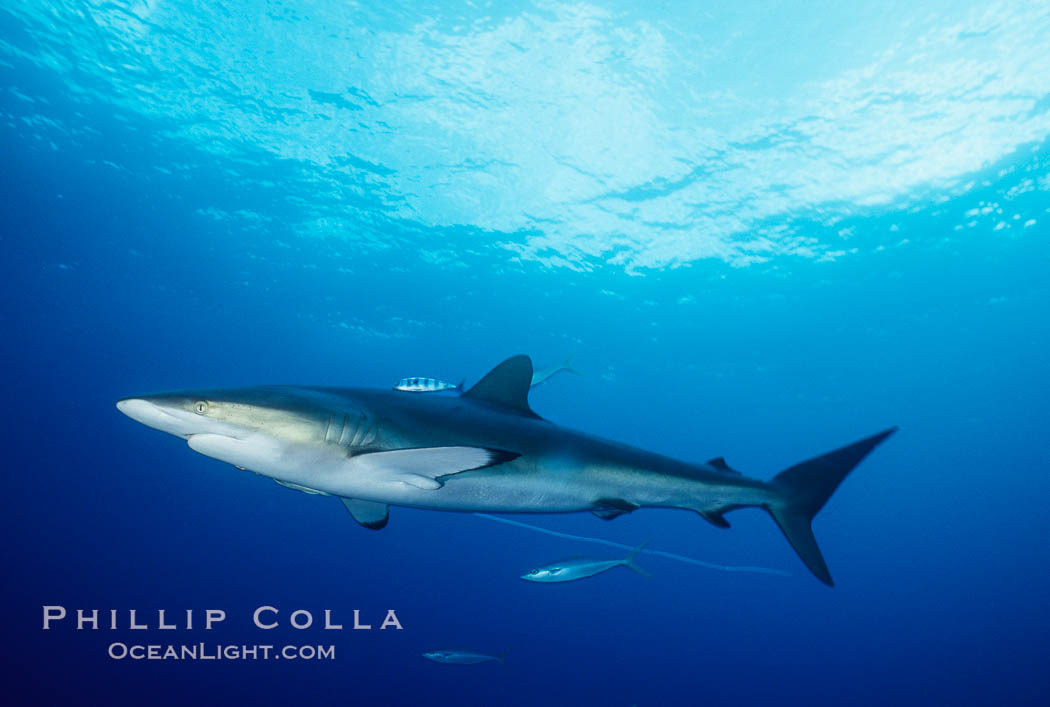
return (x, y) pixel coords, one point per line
(425, 385)
(419, 384)
(581, 568)
(464, 657)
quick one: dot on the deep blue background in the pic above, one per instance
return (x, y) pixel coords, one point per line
(113, 284)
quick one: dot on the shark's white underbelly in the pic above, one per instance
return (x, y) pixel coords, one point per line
(522, 485)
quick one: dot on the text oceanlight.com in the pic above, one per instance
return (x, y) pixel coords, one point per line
(204, 651)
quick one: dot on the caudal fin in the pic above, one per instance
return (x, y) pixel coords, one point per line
(806, 487)
(628, 561)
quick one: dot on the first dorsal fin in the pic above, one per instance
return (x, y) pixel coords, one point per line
(507, 386)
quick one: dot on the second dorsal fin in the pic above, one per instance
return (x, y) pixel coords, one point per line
(506, 386)
(720, 464)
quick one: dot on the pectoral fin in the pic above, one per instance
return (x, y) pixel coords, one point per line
(424, 467)
(370, 514)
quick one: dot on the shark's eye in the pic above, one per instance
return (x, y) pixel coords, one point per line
(201, 407)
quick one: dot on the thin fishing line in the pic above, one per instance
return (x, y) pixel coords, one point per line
(661, 553)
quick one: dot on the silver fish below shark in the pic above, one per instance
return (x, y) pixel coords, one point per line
(464, 657)
(582, 567)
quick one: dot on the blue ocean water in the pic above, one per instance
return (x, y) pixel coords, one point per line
(763, 232)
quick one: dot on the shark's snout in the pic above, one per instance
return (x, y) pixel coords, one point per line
(149, 413)
(143, 411)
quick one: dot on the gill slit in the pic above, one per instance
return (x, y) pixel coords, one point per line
(342, 432)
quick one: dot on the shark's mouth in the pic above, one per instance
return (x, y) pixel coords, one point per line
(213, 444)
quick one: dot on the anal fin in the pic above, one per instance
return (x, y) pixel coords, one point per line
(715, 518)
(609, 508)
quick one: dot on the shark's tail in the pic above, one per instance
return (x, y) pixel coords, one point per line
(628, 561)
(805, 488)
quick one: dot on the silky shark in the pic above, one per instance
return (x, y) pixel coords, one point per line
(484, 450)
